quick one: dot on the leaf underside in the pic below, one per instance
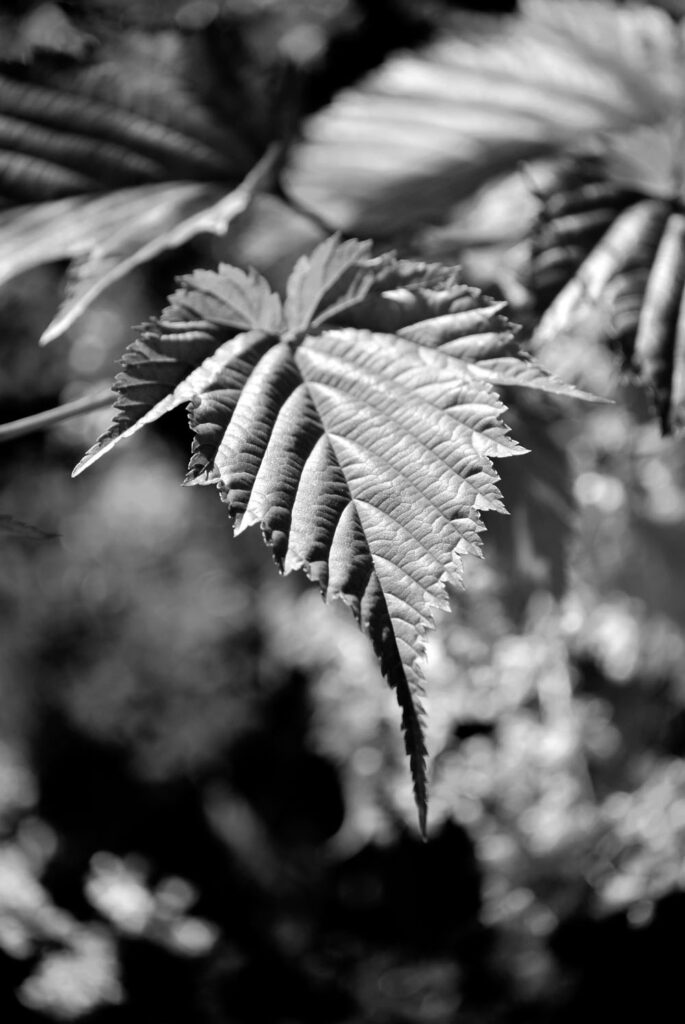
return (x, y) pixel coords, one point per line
(355, 420)
(110, 159)
(609, 261)
(428, 128)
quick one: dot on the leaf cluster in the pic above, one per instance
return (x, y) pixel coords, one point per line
(355, 417)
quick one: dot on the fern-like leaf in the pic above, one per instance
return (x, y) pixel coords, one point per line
(355, 421)
(428, 128)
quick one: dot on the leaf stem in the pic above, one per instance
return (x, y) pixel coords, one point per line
(315, 218)
(41, 420)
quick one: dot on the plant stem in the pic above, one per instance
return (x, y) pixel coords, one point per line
(29, 424)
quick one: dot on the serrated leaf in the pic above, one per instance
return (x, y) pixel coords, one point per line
(428, 128)
(356, 424)
(328, 284)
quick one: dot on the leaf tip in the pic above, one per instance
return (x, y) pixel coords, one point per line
(53, 331)
(80, 466)
(93, 454)
(422, 807)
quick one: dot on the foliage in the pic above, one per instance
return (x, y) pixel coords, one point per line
(168, 652)
(308, 413)
(436, 125)
(298, 422)
(111, 159)
(608, 252)
(203, 782)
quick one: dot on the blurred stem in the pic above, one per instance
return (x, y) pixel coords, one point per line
(29, 424)
(316, 219)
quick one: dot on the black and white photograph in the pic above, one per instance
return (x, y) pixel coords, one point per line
(342, 511)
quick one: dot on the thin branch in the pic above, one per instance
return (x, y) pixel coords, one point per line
(311, 215)
(41, 420)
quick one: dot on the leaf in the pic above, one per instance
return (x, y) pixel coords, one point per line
(622, 280)
(327, 284)
(429, 128)
(110, 161)
(355, 422)
(179, 214)
(576, 206)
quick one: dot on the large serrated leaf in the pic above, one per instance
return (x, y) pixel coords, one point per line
(428, 128)
(355, 422)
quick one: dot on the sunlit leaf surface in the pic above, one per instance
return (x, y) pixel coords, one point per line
(429, 128)
(355, 420)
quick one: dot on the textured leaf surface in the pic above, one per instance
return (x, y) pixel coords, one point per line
(427, 129)
(355, 421)
(608, 260)
(110, 160)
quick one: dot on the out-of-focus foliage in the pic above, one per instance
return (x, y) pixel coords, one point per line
(607, 252)
(427, 129)
(119, 99)
(180, 684)
(119, 150)
(567, 778)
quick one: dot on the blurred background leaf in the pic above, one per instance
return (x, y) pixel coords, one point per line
(428, 128)
(112, 155)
